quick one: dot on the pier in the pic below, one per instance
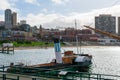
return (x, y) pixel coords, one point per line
(7, 48)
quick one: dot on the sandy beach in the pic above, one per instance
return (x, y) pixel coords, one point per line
(37, 47)
(23, 48)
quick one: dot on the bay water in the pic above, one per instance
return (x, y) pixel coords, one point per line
(106, 59)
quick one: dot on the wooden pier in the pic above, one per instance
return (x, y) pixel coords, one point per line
(7, 48)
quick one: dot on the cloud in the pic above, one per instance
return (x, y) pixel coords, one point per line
(5, 4)
(58, 20)
(44, 10)
(41, 18)
(33, 2)
(60, 1)
(52, 20)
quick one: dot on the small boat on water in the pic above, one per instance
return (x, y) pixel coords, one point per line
(69, 60)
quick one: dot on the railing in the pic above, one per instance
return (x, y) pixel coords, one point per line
(66, 76)
(10, 76)
(47, 74)
(89, 76)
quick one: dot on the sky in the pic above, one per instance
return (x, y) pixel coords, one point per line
(60, 13)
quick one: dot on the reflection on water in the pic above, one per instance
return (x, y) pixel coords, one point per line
(106, 60)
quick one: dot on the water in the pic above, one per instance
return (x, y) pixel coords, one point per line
(106, 60)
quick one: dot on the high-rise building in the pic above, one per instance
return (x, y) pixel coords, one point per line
(119, 26)
(105, 22)
(8, 18)
(14, 18)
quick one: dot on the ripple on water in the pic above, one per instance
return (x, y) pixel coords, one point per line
(105, 59)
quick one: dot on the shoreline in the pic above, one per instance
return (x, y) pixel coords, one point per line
(38, 47)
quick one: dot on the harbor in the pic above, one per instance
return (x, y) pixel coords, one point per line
(59, 40)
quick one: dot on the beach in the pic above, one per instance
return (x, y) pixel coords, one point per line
(38, 47)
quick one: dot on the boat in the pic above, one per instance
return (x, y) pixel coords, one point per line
(68, 60)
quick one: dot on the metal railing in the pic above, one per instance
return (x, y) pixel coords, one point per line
(47, 74)
(67, 76)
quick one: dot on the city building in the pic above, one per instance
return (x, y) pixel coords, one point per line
(105, 22)
(22, 22)
(14, 19)
(119, 26)
(69, 35)
(35, 31)
(2, 23)
(8, 18)
(108, 41)
(24, 27)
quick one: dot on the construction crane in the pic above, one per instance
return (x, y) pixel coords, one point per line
(105, 33)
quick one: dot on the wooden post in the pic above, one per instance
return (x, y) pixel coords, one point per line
(7, 49)
(2, 49)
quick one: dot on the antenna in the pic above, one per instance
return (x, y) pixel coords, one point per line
(75, 25)
(76, 36)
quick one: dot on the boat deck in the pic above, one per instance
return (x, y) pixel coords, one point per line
(42, 65)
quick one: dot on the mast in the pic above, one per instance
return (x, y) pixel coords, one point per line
(76, 37)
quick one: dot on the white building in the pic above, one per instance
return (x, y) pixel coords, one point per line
(22, 22)
(108, 41)
(105, 22)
